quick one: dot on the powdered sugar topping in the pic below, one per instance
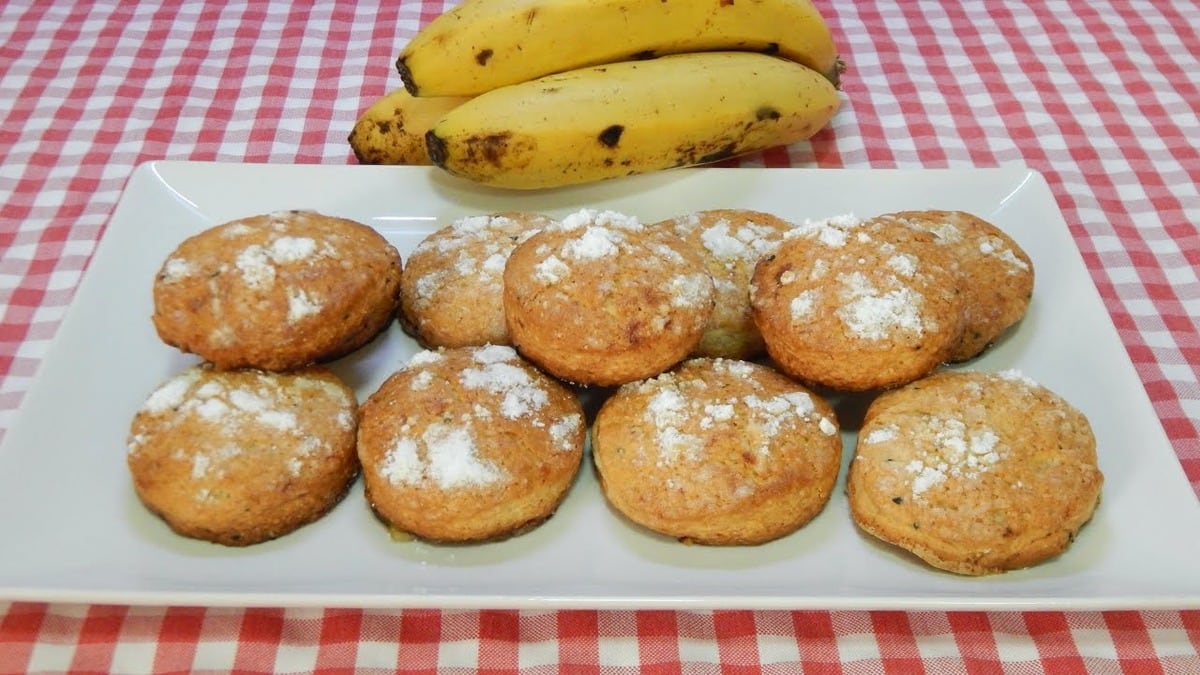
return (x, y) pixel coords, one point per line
(833, 232)
(951, 449)
(521, 396)
(444, 454)
(676, 404)
(873, 314)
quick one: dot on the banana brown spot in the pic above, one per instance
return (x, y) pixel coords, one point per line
(612, 135)
(490, 148)
(721, 153)
(767, 113)
(483, 56)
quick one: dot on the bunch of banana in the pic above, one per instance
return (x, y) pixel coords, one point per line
(543, 93)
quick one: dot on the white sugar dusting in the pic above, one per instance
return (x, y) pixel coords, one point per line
(564, 431)
(904, 264)
(279, 419)
(881, 435)
(301, 305)
(1013, 375)
(872, 314)
(594, 243)
(520, 394)
(718, 240)
(286, 250)
(666, 412)
(200, 464)
(953, 451)
(993, 246)
(248, 401)
(730, 243)
(493, 265)
(827, 426)
(494, 354)
(801, 306)
(832, 232)
(212, 409)
(551, 270)
(235, 230)
(424, 357)
(255, 267)
(610, 219)
(170, 394)
(421, 381)
(176, 268)
(450, 460)
(689, 290)
(772, 413)
(670, 412)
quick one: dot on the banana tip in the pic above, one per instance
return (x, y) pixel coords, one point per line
(406, 75)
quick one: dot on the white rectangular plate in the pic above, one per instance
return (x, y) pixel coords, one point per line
(74, 530)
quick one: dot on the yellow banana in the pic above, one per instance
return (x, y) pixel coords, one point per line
(392, 130)
(631, 117)
(483, 44)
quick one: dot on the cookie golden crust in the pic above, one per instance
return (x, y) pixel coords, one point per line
(600, 299)
(997, 274)
(277, 291)
(857, 305)
(731, 241)
(451, 289)
(469, 444)
(717, 452)
(975, 473)
(239, 457)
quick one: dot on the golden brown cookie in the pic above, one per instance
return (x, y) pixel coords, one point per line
(600, 299)
(239, 457)
(469, 444)
(857, 305)
(277, 291)
(731, 241)
(997, 274)
(451, 289)
(717, 451)
(975, 473)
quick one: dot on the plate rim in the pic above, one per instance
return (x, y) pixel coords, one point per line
(549, 601)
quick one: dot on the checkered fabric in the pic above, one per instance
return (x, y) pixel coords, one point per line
(1101, 97)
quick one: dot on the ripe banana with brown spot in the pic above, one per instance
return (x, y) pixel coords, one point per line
(631, 117)
(483, 44)
(392, 130)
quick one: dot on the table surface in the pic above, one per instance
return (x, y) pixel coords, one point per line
(1101, 97)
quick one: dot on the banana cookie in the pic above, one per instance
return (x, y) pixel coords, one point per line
(718, 452)
(731, 242)
(975, 473)
(451, 289)
(857, 305)
(997, 274)
(469, 444)
(601, 299)
(277, 291)
(239, 457)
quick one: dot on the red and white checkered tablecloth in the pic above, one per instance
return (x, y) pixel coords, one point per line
(1101, 97)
